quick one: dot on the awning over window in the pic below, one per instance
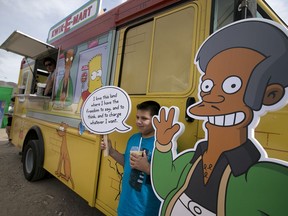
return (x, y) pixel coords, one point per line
(27, 46)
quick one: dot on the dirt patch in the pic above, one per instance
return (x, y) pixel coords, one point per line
(45, 197)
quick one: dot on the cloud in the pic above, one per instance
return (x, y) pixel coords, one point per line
(9, 67)
(281, 8)
(35, 17)
(32, 17)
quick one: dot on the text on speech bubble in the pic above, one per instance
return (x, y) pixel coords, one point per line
(106, 110)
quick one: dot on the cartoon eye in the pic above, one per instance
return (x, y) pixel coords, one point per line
(71, 58)
(232, 84)
(93, 75)
(67, 59)
(99, 73)
(207, 85)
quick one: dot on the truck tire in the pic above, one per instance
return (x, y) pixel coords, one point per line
(32, 167)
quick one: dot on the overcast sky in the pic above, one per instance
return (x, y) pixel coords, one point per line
(36, 17)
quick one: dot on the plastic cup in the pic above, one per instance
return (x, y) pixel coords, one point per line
(135, 150)
(40, 88)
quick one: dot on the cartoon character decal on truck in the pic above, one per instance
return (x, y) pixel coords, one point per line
(64, 162)
(94, 79)
(64, 96)
(244, 71)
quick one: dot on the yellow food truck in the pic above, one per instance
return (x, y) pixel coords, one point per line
(130, 46)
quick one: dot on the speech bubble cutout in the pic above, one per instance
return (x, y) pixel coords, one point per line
(106, 110)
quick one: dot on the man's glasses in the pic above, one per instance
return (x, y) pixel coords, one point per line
(49, 64)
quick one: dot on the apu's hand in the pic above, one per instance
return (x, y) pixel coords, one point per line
(165, 130)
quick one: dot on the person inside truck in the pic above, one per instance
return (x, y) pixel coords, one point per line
(137, 196)
(50, 65)
(228, 172)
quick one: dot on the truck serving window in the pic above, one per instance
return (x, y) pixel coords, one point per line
(153, 59)
(34, 52)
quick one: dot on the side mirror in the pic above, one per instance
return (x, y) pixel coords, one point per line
(245, 9)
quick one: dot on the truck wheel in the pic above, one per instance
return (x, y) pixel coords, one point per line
(32, 168)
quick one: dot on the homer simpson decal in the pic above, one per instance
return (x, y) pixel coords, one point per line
(94, 82)
(94, 78)
(244, 68)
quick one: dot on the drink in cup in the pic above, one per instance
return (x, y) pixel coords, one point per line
(135, 150)
(136, 176)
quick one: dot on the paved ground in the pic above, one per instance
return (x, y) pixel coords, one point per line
(18, 197)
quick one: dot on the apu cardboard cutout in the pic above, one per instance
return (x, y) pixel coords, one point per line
(244, 69)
